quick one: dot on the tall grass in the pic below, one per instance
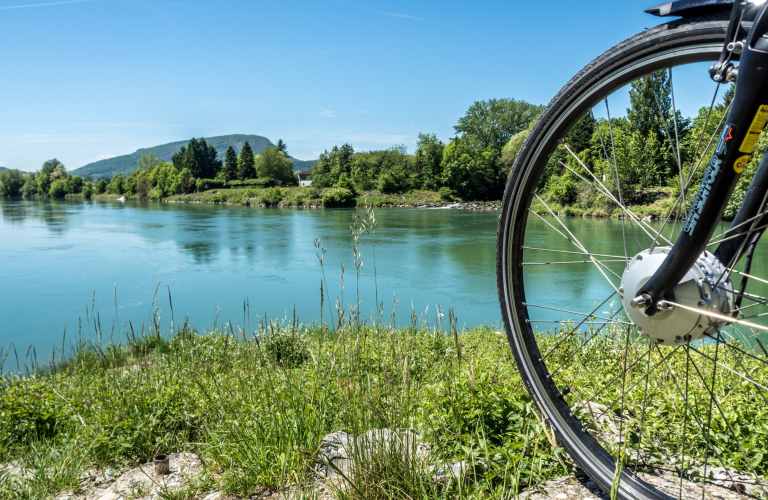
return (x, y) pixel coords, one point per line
(255, 404)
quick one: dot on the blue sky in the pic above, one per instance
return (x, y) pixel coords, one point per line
(84, 80)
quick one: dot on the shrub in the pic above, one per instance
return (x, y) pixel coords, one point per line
(346, 183)
(288, 351)
(200, 185)
(58, 188)
(155, 194)
(564, 190)
(271, 196)
(315, 193)
(338, 197)
(446, 194)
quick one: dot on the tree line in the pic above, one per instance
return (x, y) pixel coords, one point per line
(190, 169)
(641, 148)
(470, 166)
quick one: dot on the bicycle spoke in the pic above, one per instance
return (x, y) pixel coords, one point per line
(677, 144)
(642, 413)
(566, 262)
(574, 329)
(575, 241)
(618, 183)
(575, 253)
(607, 193)
(731, 369)
(730, 430)
(590, 315)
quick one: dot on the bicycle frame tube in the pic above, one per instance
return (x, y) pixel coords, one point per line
(746, 120)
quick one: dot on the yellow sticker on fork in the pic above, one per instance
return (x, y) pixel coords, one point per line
(740, 163)
(758, 124)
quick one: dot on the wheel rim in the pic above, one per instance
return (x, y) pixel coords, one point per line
(600, 454)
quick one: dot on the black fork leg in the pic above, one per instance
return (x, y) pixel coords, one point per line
(745, 122)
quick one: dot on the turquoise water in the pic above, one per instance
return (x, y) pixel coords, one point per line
(59, 256)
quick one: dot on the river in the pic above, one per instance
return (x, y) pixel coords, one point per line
(60, 256)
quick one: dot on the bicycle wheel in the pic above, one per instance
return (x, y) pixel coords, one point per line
(683, 399)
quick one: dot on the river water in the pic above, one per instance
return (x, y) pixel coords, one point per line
(60, 256)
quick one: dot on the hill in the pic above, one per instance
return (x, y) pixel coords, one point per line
(125, 164)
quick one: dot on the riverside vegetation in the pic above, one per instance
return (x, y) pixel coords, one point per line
(472, 166)
(255, 403)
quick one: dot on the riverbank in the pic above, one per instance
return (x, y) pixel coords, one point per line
(252, 413)
(313, 198)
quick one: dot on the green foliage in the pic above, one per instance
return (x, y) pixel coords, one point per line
(446, 194)
(58, 188)
(230, 164)
(246, 163)
(338, 197)
(148, 161)
(274, 164)
(101, 186)
(563, 189)
(198, 157)
(126, 163)
(116, 184)
(286, 349)
(428, 159)
(11, 182)
(271, 196)
(345, 182)
(490, 124)
(471, 174)
(331, 165)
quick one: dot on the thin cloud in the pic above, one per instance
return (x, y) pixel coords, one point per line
(327, 113)
(44, 4)
(403, 16)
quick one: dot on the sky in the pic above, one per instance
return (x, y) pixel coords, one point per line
(84, 80)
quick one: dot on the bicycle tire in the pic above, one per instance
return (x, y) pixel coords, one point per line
(678, 42)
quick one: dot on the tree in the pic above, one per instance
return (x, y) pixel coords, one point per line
(148, 161)
(331, 165)
(198, 157)
(116, 184)
(281, 146)
(11, 182)
(58, 188)
(60, 172)
(101, 186)
(472, 175)
(272, 163)
(246, 163)
(490, 124)
(230, 164)
(49, 166)
(429, 157)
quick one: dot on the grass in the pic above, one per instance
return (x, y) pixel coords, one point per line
(301, 197)
(254, 404)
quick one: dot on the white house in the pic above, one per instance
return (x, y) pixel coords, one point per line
(304, 178)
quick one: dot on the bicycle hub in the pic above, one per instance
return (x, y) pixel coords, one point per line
(703, 288)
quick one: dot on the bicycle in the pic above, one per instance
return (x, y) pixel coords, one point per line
(675, 297)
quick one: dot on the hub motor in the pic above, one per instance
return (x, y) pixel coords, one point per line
(698, 289)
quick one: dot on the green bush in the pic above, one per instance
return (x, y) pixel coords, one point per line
(564, 189)
(199, 185)
(346, 183)
(338, 197)
(446, 194)
(271, 196)
(288, 351)
(58, 188)
(155, 194)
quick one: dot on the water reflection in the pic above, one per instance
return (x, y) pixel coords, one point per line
(57, 253)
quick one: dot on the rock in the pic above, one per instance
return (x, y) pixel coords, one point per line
(139, 483)
(573, 488)
(463, 470)
(337, 450)
(730, 478)
(213, 496)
